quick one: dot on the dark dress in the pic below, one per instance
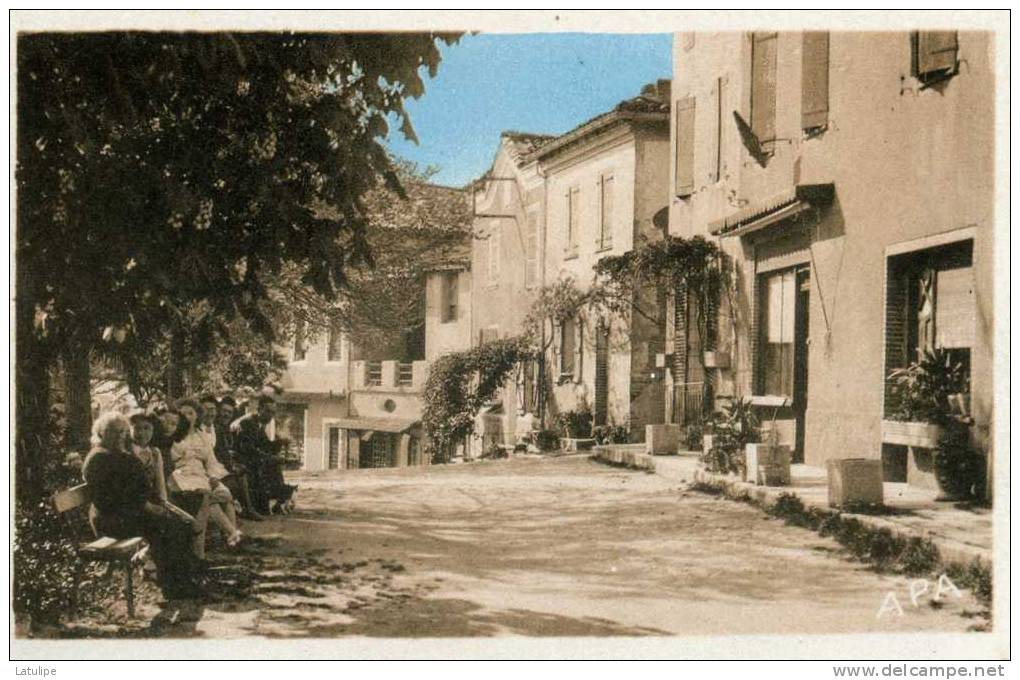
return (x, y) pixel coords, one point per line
(260, 457)
(120, 485)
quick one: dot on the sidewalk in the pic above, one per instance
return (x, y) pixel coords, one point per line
(961, 534)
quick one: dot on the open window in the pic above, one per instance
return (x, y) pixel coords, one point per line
(930, 304)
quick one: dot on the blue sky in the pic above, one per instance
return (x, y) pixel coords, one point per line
(530, 82)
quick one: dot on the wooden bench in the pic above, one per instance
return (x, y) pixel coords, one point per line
(127, 552)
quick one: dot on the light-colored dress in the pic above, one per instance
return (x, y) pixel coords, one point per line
(194, 464)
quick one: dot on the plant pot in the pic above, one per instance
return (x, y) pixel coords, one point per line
(662, 439)
(767, 464)
(922, 435)
(854, 482)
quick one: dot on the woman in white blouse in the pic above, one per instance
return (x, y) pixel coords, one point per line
(195, 468)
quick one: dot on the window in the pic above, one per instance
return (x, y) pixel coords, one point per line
(449, 295)
(405, 374)
(531, 253)
(494, 254)
(605, 239)
(685, 147)
(568, 340)
(763, 88)
(814, 92)
(334, 344)
(778, 299)
(930, 304)
(573, 219)
(373, 373)
(300, 348)
(933, 55)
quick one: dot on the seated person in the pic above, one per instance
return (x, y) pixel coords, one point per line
(195, 468)
(225, 449)
(122, 507)
(260, 454)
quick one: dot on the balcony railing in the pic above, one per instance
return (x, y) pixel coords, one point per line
(373, 373)
(405, 374)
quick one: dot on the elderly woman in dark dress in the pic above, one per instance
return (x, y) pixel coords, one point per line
(121, 489)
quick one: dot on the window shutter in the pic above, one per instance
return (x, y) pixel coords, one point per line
(685, 146)
(680, 339)
(814, 102)
(579, 351)
(936, 51)
(755, 332)
(763, 87)
(715, 166)
(531, 254)
(896, 315)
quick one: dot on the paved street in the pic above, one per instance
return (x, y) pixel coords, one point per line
(546, 547)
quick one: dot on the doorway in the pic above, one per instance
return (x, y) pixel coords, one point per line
(801, 343)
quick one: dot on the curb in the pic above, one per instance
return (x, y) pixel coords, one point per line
(951, 553)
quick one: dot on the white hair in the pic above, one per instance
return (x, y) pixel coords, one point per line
(105, 424)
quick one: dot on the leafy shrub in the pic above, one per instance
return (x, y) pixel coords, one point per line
(921, 391)
(789, 508)
(44, 565)
(611, 434)
(919, 556)
(547, 440)
(885, 547)
(575, 424)
(959, 469)
(693, 438)
(732, 428)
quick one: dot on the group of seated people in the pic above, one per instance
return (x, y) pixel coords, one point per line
(165, 475)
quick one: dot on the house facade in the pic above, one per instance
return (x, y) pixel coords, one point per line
(605, 184)
(849, 178)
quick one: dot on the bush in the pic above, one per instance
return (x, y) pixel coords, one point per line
(959, 469)
(694, 438)
(611, 434)
(575, 424)
(919, 556)
(547, 440)
(44, 565)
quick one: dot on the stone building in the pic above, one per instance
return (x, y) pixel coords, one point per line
(547, 210)
(849, 176)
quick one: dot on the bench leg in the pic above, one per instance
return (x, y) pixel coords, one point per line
(129, 588)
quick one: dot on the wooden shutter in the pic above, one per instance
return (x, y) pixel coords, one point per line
(715, 164)
(756, 308)
(605, 217)
(531, 251)
(601, 374)
(579, 351)
(897, 301)
(685, 146)
(763, 87)
(814, 94)
(935, 52)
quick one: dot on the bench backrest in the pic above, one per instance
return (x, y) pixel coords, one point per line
(69, 499)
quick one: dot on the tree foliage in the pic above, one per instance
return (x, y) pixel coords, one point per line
(157, 172)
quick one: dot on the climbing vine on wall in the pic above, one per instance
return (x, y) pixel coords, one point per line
(459, 385)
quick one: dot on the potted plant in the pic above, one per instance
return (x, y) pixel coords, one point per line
(927, 393)
(733, 427)
(576, 429)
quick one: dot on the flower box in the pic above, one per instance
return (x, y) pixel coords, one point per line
(575, 444)
(662, 439)
(922, 435)
(767, 464)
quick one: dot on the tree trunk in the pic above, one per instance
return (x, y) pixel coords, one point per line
(32, 396)
(175, 371)
(78, 397)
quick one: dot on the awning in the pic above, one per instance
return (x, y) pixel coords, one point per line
(784, 206)
(377, 424)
